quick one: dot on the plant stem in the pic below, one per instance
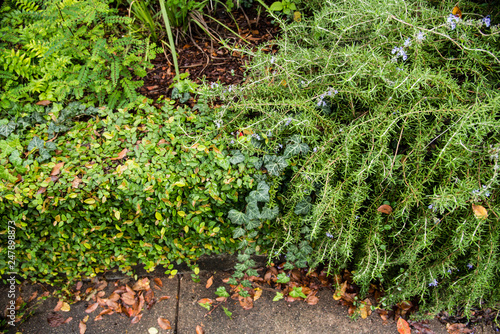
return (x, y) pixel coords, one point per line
(170, 37)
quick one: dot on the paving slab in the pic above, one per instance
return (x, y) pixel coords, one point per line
(327, 316)
(110, 323)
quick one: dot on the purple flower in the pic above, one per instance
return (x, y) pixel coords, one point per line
(396, 49)
(407, 42)
(232, 141)
(470, 266)
(272, 60)
(449, 271)
(452, 19)
(433, 283)
(430, 206)
(420, 36)
(487, 21)
(315, 149)
(288, 121)
(329, 235)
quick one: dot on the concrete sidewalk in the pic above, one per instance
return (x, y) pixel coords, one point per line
(185, 314)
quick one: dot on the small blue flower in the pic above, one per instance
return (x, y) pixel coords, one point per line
(470, 266)
(288, 122)
(487, 194)
(403, 54)
(430, 206)
(407, 42)
(213, 85)
(487, 21)
(269, 133)
(281, 146)
(420, 36)
(232, 141)
(315, 149)
(449, 271)
(272, 60)
(452, 19)
(433, 283)
(399, 69)
(396, 49)
(329, 235)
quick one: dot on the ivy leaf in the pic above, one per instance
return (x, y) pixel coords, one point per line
(297, 292)
(262, 192)
(254, 223)
(237, 157)
(44, 155)
(237, 217)
(295, 149)
(253, 211)
(283, 278)
(303, 207)
(275, 165)
(257, 164)
(221, 292)
(278, 296)
(35, 143)
(7, 129)
(276, 6)
(238, 232)
(269, 213)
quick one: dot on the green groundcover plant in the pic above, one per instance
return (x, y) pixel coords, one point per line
(150, 187)
(399, 104)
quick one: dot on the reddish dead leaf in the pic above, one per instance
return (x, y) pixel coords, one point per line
(205, 301)
(142, 284)
(99, 317)
(225, 280)
(68, 320)
(421, 328)
(55, 319)
(458, 329)
(258, 293)
(210, 281)
(149, 296)
(246, 302)
(221, 299)
(101, 294)
(199, 330)
(92, 308)
(57, 169)
(164, 323)
(43, 103)
(41, 190)
(106, 311)
(158, 282)
(129, 290)
(121, 155)
(403, 327)
(83, 327)
(102, 286)
(113, 305)
(151, 87)
(59, 305)
(385, 209)
(137, 318)
(79, 285)
(312, 299)
(19, 178)
(33, 296)
(163, 298)
(405, 305)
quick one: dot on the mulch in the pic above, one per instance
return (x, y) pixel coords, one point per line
(205, 58)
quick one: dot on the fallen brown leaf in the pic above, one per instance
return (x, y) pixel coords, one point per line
(246, 302)
(137, 318)
(65, 307)
(142, 284)
(121, 155)
(312, 299)
(385, 209)
(457, 329)
(92, 308)
(59, 305)
(158, 282)
(57, 169)
(258, 293)
(55, 319)
(83, 327)
(43, 103)
(199, 330)
(210, 281)
(164, 323)
(205, 301)
(480, 211)
(163, 298)
(33, 296)
(79, 285)
(75, 183)
(102, 286)
(68, 320)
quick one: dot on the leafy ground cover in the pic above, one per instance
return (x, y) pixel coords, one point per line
(367, 143)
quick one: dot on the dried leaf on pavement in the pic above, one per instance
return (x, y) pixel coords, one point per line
(65, 307)
(164, 323)
(158, 282)
(199, 330)
(83, 327)
(458, 329)
(92, 308)
(142, 284)
(58, 306)
(55, 319)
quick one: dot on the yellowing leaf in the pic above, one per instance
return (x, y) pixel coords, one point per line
(65, 307)
(340, 291)
(107, 135)
(89, 201)
(158, 216)
(181, 213)
(480, 211)
(297, 16)
(117, 215)
(186, 229)
(258, 293)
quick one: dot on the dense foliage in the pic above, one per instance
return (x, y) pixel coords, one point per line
(370, 141)
(401, 107)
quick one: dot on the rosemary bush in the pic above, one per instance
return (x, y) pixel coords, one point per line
(399, 103)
